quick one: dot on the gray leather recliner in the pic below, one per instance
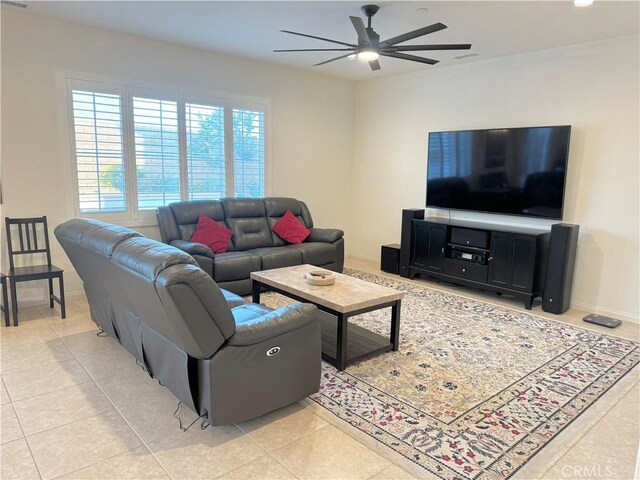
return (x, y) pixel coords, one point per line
(254, 246)
(210, 347)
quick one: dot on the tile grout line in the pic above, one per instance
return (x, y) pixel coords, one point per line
(24, 437)
(122, 417)
(268, 453)
(91, 380)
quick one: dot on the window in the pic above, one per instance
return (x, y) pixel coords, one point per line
(99, 152)
(135, 149)
(205, 151)
(155, 126)
(248, 153)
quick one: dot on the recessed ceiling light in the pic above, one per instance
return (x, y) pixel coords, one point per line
(422, 10)
(582, 3)
(468, 55)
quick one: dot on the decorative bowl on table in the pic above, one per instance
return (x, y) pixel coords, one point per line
(320, 277)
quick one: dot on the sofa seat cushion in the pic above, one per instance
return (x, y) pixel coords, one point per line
(277, 257)
(231, 266)
(315, 253)
(232, 299)
(248, 312)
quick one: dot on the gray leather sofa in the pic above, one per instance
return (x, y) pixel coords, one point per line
(254, 246)
(210, 347)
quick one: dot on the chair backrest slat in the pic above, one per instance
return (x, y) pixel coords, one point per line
(26, 229)
(27, 237)
(35, 236)
(21, 238)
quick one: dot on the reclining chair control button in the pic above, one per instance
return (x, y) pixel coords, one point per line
(273, 351)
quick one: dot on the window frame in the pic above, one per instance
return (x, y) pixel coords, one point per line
(128, 89)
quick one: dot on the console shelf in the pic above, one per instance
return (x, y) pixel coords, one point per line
(499, 258)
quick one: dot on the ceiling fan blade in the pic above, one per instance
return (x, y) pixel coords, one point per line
(374, 65)
(450, 46)
(363, 36)
(332, 59)
(319, 38)
(412, 58)
(319, 50)
(436, 27)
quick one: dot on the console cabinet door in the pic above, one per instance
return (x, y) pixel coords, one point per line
(428, 245)
(512, 262)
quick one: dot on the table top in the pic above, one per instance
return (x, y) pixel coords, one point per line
(347, 295)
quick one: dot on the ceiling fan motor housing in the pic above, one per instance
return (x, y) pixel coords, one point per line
(370, 10)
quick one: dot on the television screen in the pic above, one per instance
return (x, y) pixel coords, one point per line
(514, 171)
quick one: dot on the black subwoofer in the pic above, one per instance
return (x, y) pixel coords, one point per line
(560, 266)
(390, 258)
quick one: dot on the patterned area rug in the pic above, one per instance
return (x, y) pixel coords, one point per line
(476, 390)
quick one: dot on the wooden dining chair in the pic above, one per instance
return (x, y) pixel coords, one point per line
(30, 242)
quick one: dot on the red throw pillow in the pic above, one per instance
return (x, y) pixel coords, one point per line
(212, 234)
(290, 229)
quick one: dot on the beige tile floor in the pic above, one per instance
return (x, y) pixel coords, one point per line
(74, 405)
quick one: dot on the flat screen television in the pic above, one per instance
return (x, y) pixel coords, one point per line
(513, 171)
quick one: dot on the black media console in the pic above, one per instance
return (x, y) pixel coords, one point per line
(500, 258)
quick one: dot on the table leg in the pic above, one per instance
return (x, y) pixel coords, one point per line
(395, 326)
(341, 346)
(255, 291)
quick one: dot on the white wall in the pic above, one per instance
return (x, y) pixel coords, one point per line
(593, 87)
(312, 116)
(357, 171)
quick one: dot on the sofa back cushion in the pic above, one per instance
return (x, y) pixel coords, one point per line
(276, 207)
(214, 235)
(187, 213)
(169, 293)
(89, 245)
(247, 220)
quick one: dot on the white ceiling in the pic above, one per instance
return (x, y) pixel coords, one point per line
(251, 29)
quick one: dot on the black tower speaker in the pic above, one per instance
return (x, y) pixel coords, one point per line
(560, 266)
(406, 237)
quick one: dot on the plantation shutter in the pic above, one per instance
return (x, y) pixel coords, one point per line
(99, 152)
(248, 153)
(157, 156)
(205, 151)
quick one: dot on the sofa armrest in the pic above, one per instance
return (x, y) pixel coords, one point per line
(277, 322)
(326, 235)
(192, 248)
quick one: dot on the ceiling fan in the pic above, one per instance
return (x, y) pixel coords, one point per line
(369, 46)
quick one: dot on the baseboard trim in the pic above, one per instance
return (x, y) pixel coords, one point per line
(42, 300)
(610, 312)
(585, 307)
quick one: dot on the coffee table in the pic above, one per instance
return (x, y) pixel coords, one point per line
(342, 342)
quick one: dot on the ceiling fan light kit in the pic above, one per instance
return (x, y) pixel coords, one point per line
(369, 47)
(368, 55)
